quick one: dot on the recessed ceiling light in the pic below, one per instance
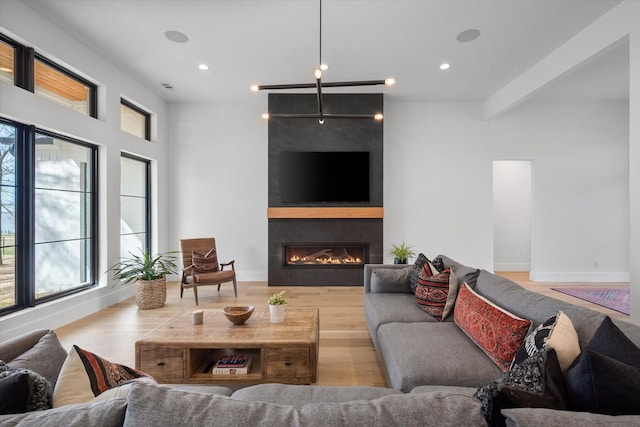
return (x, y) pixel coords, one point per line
(203, 66)
(176, 36)
(445, 66)
(468, 36)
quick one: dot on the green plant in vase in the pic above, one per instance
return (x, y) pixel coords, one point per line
(401, 253)
(276, 307)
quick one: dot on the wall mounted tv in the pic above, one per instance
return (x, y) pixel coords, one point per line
(324, 176)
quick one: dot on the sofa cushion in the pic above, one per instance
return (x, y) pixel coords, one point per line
(610, 341)
(85, 375)
(603, 385)
(46, 358)
(496, 331)
(177, 408)
(536, 417)
(408, 352)
(39, 393)
(436, 295)
(14, 347)
(299, 395)
(386, 280)
(536, 382)
(558, 333)
(421, 265)
(109, 413)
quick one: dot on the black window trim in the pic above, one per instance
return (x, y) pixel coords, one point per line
(147, 190)
(146, 114)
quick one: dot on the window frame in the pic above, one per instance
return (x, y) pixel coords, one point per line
(144, 113)
(24, 273)
(147, 189)
(92, 102)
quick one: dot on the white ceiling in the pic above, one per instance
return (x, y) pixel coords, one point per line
(276, 41)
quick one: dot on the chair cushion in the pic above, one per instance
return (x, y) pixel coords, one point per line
(205, 263)
(214, 277)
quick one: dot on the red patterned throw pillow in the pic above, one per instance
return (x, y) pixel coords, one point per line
(206, 263)
(85, 375)
(496, 331)
(437, 294)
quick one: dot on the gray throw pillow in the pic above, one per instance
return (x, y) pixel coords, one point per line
(385, 280)
(46, 358)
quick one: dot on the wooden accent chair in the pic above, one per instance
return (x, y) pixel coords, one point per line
(201, 268)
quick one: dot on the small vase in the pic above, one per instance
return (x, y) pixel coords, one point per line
(399, 261)
(277, 313)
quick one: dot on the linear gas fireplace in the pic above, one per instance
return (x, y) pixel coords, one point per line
(325, 254)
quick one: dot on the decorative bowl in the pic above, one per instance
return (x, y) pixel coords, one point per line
(238, 315)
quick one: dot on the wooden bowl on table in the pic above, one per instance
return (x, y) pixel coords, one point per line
(238, 315)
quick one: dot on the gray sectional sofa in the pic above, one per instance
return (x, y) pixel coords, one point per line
(433, 371)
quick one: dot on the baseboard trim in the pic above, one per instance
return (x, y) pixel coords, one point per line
(604, 276)
(511, 266)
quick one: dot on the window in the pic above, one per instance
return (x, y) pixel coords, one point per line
(7, 62)
(63, 87)
(7, 215)
(48, 216)
(65, 214)
(135, 120)
(135, 204)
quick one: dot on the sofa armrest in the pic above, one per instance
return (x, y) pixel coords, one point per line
(368, 270)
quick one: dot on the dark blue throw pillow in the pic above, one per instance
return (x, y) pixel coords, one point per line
(603, 385)
(15, 393)
(610, 341)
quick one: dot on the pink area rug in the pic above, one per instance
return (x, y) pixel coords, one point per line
(615, 299)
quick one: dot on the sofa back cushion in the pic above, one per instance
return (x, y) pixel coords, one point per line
(176, 408)
(45, 357)
(391, 280)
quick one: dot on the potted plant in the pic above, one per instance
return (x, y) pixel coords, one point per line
(401, 253)
(150, 274)
(276, 307)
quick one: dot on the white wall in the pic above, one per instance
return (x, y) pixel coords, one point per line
(438, 182)
(218, 171)
(512, 215)
(22, 23)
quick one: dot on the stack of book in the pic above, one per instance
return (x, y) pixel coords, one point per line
(238, 364)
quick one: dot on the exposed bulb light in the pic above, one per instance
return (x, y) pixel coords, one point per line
(389, 82)
(254, 88)
(317, 73)
(203, 67)
(265, 116)
(324, 67)
(378, 117)
(445, 66)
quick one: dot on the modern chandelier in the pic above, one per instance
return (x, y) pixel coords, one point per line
(321, 115)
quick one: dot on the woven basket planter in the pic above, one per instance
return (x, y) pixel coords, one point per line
(151, 293)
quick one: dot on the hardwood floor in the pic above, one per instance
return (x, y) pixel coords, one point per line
(346, 357)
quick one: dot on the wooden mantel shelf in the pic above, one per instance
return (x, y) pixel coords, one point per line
(333, 212)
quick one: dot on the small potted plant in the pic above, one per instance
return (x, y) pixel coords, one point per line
(150, 274)
(401, 253)
(276, 307)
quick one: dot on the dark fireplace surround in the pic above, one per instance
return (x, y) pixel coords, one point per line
(310, 232)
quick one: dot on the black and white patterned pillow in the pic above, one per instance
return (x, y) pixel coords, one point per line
(41, 393)
(535, 383)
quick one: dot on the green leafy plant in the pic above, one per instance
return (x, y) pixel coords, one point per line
(402, 251)
(144, 266)
(277, 299)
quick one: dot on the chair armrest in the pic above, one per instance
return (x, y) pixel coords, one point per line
(224, 264)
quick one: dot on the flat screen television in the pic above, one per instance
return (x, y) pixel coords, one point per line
(324, 176)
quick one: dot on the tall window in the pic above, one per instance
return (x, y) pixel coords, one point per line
(135, 204)
(65, 215)
(135, 120)
(48, 216)
(63, 87)
(7, 215)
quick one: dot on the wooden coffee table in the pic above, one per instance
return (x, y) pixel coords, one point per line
(180, 352)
